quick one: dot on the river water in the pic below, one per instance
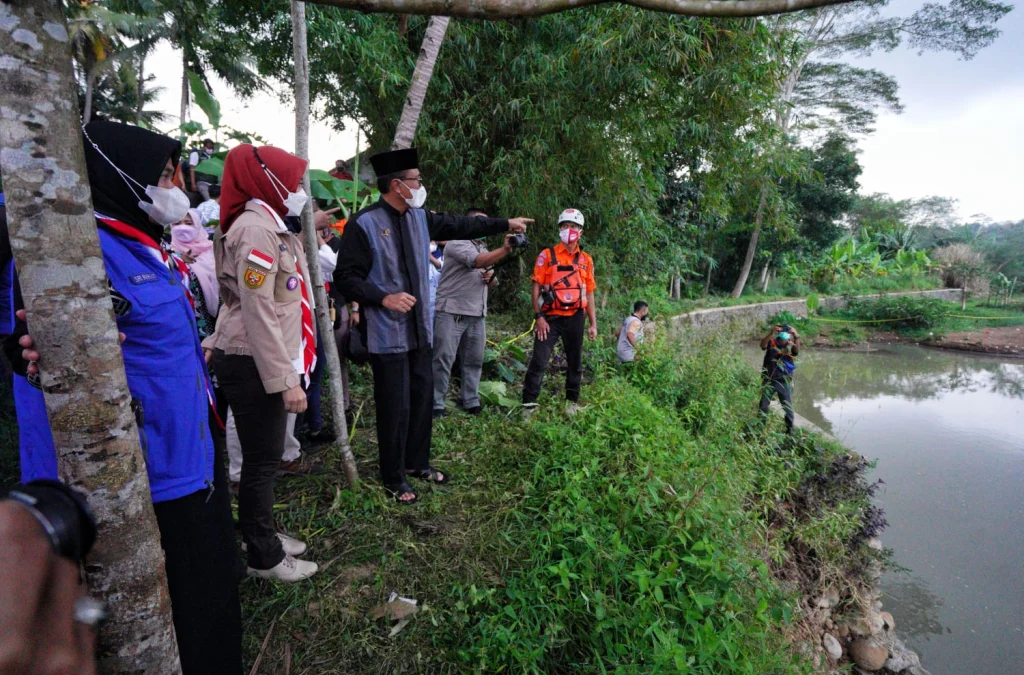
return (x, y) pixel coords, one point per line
(947, 430)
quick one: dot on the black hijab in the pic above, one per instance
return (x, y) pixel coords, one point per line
(140, 153)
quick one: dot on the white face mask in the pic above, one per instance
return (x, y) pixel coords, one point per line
(293, 201)
(167, 205)
(186, 234)
(568, 236)
(418, 198)
(433, 247)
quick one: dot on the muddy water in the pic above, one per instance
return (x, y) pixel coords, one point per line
(948, 433)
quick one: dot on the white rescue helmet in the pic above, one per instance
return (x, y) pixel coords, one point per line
(571, 216)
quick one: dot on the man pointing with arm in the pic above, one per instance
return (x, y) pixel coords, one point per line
(383, 266)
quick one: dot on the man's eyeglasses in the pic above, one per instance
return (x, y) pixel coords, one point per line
(418, 179)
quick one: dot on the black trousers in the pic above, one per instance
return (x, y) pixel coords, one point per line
(403, 388)
(198, 538)
(262, 423)
(770, 387)
(570, 330)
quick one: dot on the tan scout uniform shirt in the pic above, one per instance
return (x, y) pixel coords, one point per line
(258, 263)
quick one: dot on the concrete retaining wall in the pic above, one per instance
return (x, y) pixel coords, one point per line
(746, 316)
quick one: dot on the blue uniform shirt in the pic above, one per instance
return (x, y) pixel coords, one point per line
(166, 375)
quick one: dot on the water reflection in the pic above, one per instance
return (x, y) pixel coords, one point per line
(914, 606)
(946, 430)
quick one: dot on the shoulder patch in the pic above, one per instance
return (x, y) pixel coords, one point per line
(542, 259)
(258, 257)
(254, 277)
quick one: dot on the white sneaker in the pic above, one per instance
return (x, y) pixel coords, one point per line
(290, 545)
(528, 410)
(571, 408)
(290, 569)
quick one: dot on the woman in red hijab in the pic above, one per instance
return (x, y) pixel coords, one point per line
(264, 347)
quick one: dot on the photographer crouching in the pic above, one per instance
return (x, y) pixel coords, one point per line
(780, 345)
(461, 311)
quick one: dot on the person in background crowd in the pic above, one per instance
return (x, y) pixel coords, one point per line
(316, 432)
(460, 319)
(631, 333)
(780, 345)
(563, 295)
(130, 171)
(434, 272)
(347, 316)
(193, 244)
(201, 182)
(265, 344)
(383, 265)
(340, 170)
(210, 209)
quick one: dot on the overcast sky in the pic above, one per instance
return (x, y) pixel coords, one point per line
(961, 134)
(962, 131)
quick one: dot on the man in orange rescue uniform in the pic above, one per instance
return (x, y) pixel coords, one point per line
(563, 294)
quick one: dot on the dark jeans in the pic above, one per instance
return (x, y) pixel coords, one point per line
(785, 392)
(198, 538)
(313, 418)
(262, 422)
(402, 389)
(570, 329)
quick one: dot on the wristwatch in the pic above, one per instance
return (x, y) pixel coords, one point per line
(538, 315)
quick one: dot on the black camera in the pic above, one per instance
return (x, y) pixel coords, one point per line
(518, 241)
(547, 296)
(786, 328)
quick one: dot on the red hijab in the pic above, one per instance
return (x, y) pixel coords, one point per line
(245, 179)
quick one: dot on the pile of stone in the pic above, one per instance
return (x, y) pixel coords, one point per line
(870, 642)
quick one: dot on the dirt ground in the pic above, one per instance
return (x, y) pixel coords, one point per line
(1007, 340)
(1004, 341)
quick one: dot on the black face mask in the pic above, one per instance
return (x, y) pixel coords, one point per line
(645, 317)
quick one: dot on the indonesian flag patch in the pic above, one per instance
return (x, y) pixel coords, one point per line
(260, 258)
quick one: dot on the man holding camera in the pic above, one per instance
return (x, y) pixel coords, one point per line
(459, 321)
(780, 345)
(563, 295)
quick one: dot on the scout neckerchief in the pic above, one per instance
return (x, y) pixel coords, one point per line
(308, 337)
(175, 265)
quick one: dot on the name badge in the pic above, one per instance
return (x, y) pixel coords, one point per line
(142, 278)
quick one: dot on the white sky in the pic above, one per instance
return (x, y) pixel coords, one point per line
(961, 134)
(263, 114)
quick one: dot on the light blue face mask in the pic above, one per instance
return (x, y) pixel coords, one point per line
(785, 336)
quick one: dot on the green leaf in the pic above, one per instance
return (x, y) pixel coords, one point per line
(812, 303)
(204, 99)
(213, 166)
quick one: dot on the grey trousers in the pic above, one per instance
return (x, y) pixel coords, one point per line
(339, 339)
(467, 336)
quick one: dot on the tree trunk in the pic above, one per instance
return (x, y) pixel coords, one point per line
(676, 286)
(963, 297)
(324, 325)
(184, 95)
(707, 281)
(765, 277)
(56, 248)
(429, 49)
(90, 86)
(140, 88)
(748, 261)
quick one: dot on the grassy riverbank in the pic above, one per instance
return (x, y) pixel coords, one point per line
(658, 529)
(929, 321)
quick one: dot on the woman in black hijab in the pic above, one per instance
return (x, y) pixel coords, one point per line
(130, 173)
